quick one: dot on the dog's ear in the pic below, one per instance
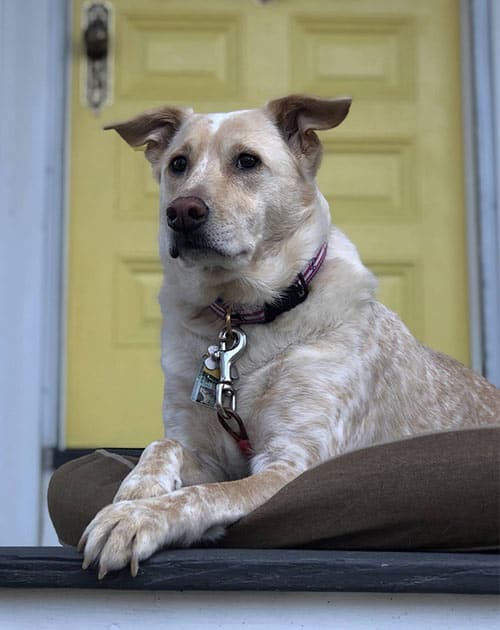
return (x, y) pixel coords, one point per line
(154, 128)
(299, 116)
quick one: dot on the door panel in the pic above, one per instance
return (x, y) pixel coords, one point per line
(392, 172)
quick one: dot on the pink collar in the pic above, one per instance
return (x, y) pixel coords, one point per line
(289, 298)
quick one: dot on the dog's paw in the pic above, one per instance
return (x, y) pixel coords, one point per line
(138, 485)
(122, 533)
(130, 531)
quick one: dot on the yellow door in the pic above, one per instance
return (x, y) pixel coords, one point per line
(392, 172)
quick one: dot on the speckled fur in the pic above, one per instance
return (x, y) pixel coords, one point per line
(336, 373)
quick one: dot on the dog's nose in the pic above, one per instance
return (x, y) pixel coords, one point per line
(186, 214)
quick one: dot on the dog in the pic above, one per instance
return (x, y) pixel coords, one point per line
(257, 281)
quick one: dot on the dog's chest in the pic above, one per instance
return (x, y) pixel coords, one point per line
(252, 371)
(195, 424)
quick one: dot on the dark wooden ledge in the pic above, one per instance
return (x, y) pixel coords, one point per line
(262, 570)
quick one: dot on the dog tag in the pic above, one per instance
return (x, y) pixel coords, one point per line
(206, 381)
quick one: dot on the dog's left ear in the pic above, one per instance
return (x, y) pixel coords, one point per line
(299, 116)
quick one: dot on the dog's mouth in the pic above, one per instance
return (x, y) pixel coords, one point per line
(196, 248)
(194, 245)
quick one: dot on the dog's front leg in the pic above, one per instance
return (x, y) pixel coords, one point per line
(130, 531)
(164, 466)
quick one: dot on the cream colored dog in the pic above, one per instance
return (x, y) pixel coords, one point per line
(329, 369)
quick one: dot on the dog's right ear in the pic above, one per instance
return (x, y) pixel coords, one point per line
(154, 128)
(298, 116)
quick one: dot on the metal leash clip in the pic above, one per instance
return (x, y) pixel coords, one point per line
(232, 343)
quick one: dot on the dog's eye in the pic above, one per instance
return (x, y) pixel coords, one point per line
(246, 161)
(178, 164)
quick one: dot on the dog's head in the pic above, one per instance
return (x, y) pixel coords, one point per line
(235, 185)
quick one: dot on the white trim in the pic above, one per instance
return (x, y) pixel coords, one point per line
(495, 63)
(470, 181)
(55, 204)
(128, 610)
(487, 121)
(66, 71)
(32, 54)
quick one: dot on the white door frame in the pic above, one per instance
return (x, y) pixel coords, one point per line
(481, 90)
(34, 45)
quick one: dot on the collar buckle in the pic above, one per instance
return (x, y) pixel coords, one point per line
(291, 297)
